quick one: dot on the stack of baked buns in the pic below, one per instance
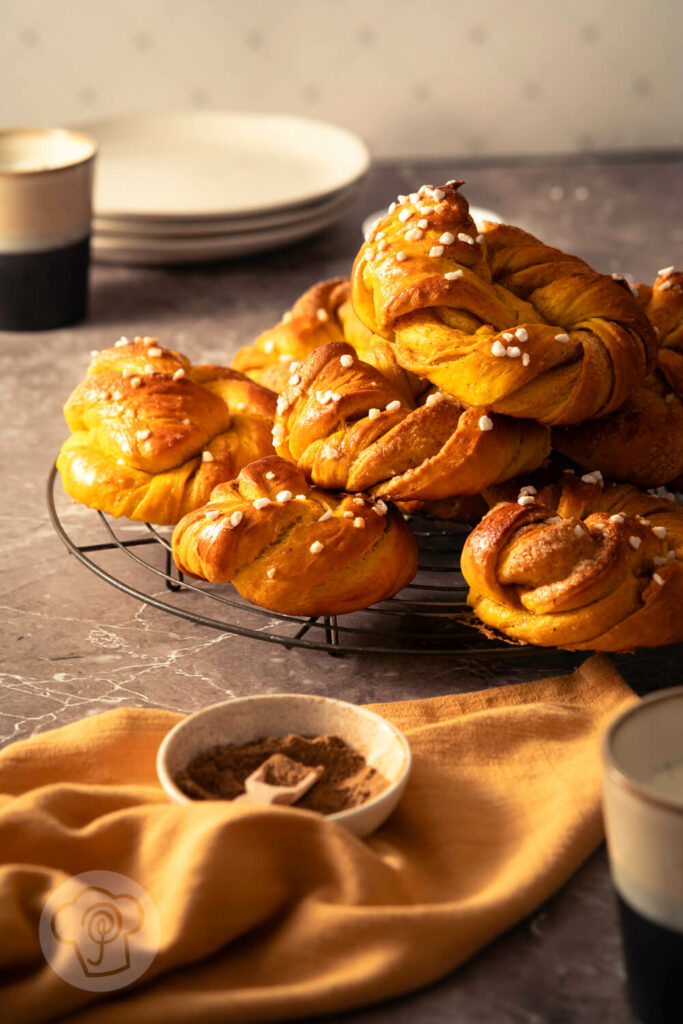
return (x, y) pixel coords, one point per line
(440, 379)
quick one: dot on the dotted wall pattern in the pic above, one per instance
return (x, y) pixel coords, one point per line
(434, 78)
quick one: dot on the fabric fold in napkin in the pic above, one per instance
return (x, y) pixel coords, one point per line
(272, 914)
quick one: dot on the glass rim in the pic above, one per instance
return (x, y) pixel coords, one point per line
(89, 141)
(618, 774)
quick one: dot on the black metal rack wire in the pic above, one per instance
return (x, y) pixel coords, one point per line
(429, 617)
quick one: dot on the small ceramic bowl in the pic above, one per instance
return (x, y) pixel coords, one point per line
(244, 719)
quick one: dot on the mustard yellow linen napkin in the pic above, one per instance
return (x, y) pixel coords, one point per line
(269, 914)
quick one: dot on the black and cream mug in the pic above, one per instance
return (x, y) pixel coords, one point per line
(643, 808)
(45, 211)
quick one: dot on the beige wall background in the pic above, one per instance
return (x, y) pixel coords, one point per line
(434, 78)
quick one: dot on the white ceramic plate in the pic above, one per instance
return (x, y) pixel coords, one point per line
(478, 213)
(150, 230)
(205, 248)
(216, 164)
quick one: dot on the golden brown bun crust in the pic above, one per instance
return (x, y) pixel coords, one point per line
(502, 281)
(580, 566)
(323, 314)
(643, 441)
(141, 422)
(367, 552)
(313, 320)
(470, 509)
(379, 353)
(663, 305)
(347, 428)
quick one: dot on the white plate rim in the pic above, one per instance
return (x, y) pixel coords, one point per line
(357, 153)
(104, 227)
(213, 248)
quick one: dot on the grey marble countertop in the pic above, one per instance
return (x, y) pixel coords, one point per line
(74, 645)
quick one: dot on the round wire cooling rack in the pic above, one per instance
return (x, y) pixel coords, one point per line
(428, 617)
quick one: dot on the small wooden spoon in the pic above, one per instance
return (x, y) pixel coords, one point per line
(300, 779)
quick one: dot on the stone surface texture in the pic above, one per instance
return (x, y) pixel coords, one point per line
(74, 645)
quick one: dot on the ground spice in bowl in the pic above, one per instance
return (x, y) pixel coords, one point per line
(347, 779)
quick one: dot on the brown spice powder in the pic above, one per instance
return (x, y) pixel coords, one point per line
(347, 780)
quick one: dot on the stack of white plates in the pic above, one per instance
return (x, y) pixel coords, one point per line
(186, 188)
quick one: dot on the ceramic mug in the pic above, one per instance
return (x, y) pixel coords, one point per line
(45, 211)
(643, 806)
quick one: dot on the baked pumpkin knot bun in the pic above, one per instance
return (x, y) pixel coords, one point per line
(152, 435)
(579, 565)
(313, 320)
(643, 441)
(347, 428)
(296, 549)
(498, 318)
(323, 314)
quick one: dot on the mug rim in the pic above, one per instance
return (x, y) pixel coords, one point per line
(621, 778)
(74, 133)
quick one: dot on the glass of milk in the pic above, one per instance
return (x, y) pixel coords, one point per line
(643, 810)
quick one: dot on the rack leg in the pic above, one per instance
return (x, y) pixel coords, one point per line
(171, 583)
(332, 635)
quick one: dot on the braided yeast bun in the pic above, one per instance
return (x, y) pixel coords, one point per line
(377, 352)
(663, 305)
(152, 435)
(580, 566)
(469, 508)
(643, 441)
(322, 314)
(296, 549)
(498, 319)
(313, 320)
(347, 428)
